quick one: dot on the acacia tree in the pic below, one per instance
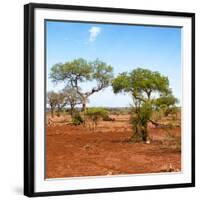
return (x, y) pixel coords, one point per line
(78, 71)
(166, 103)
(149, 90)
(56, 100)
(94, 115)
(61, 102)
(72, 98)
(51, 100)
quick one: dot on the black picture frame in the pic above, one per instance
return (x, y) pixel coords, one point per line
(29, 80)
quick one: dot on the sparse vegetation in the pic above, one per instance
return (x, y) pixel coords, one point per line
(78, 71)
(77, 119)
(152, 118)
(144, 85)
(106, 115)
(56, 101)
(72, 98)
(93, 116)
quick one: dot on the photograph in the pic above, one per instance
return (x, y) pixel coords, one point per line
(109, 99)
(113, 99)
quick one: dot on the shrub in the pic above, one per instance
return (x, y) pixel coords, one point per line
(77, 119)
(139, 120)
(95, 114)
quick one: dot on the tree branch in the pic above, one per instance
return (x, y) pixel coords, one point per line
(158, 124)
(94, 90)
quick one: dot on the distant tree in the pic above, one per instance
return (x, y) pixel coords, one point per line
(149, 90)
(78, 71)
(167, 104)
(61, 102)
(72, 98)
(56, 101)
(52, 101)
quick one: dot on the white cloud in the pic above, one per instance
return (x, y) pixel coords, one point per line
(94, 32)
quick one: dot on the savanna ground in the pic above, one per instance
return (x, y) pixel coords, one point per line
(74, 151)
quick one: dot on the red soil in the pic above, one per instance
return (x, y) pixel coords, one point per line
(73, 151)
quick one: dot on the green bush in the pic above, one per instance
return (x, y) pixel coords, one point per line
(139, 120)
(95, 114)
(77, 119)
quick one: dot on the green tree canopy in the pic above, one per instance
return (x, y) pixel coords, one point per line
(148, 90)
(72, 98)
(78, 71)
(142, 83)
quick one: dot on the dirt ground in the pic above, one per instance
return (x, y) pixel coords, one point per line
(74, 151)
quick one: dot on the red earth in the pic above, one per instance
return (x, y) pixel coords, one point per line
(74, 151)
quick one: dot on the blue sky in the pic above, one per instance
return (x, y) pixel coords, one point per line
(125, 47)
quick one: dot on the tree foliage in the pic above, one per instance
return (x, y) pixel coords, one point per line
(52, 101)
(71, 98)
(77, 119)
(149, 90)
(141, 83)
(78, 71)
(56, 101)
(95, 114)
(166, 104)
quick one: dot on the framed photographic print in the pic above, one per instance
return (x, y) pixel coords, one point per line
(108, 99)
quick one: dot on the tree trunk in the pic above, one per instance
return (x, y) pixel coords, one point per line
(84, 105)
(58, 113)
(144, 133)
(52, 114)
(72, 110)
